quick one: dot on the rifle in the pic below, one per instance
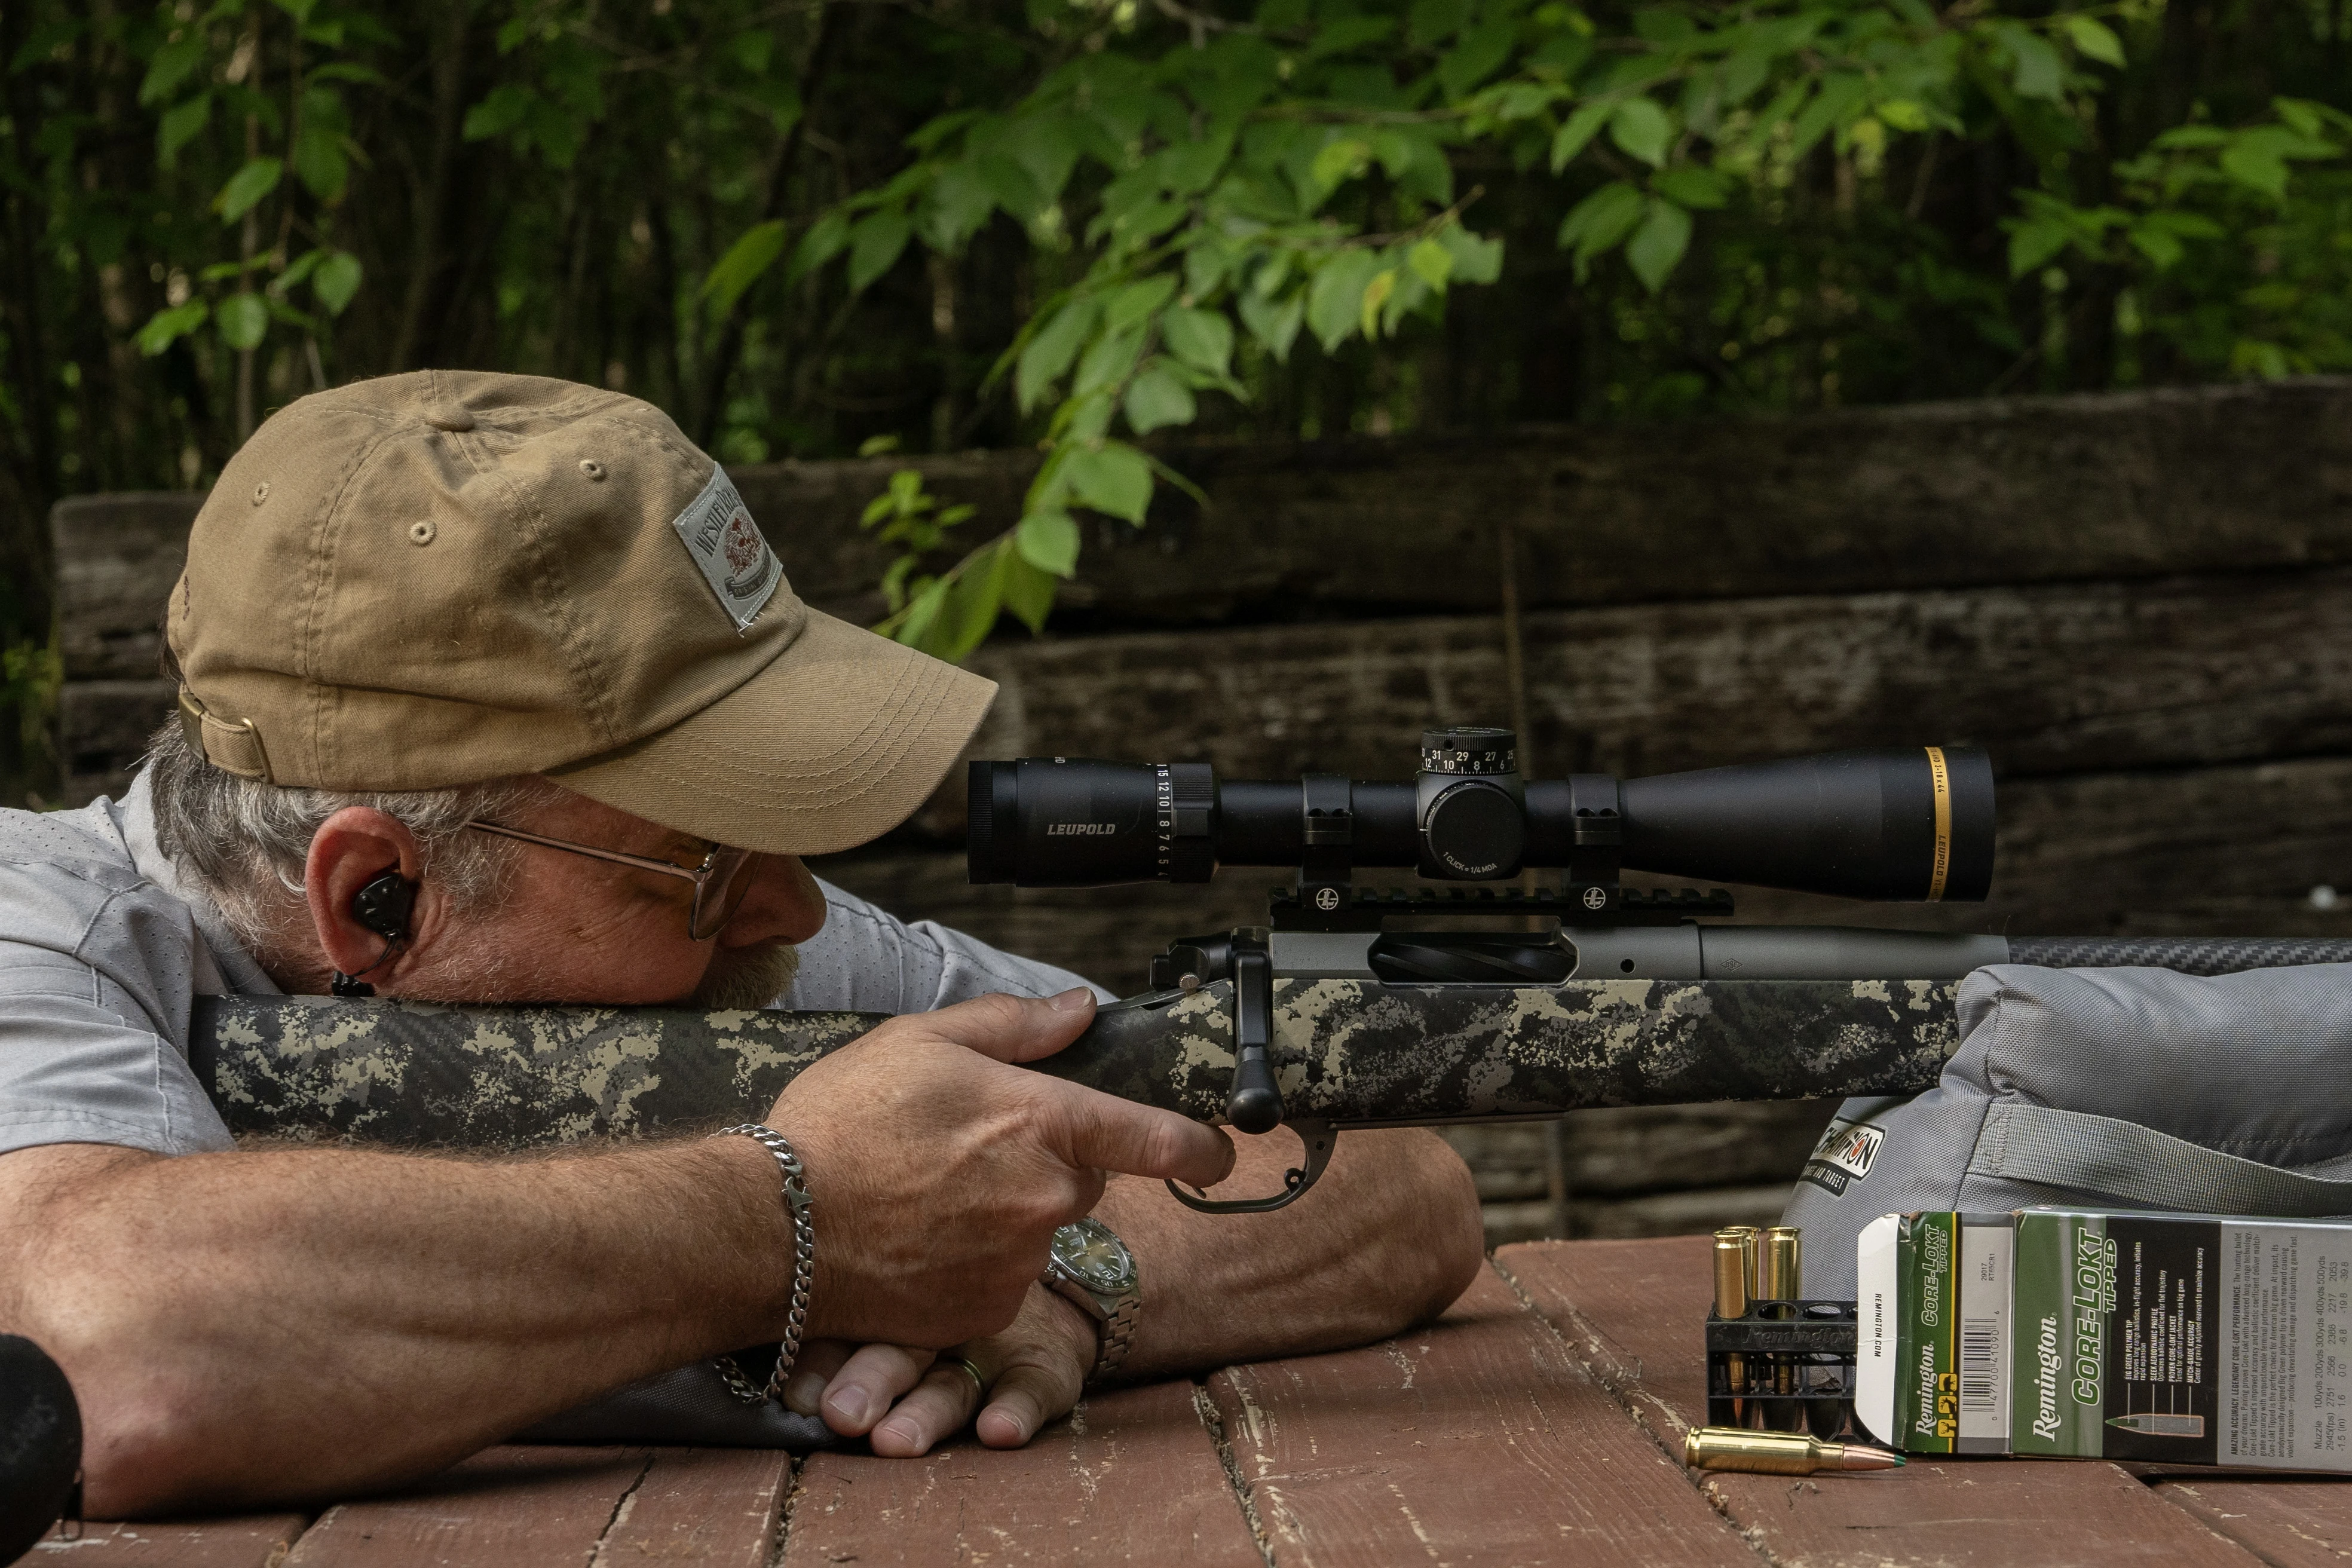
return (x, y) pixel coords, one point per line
(1352, 1008)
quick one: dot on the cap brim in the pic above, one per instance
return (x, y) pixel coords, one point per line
(835, 742)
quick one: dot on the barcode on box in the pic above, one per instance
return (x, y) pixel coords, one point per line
(1982, 1271)
(1981, 1364)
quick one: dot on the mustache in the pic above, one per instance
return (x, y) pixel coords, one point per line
(740, 979)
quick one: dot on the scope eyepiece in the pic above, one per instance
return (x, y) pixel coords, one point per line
(1912, 823)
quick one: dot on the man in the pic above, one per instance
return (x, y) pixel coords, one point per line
(492, 691)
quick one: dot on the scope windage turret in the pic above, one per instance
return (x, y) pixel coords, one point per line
(1912, 823)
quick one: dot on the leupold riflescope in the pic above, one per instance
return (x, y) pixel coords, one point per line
(1912, 823)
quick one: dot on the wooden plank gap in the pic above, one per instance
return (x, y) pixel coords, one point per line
(1214, 1425)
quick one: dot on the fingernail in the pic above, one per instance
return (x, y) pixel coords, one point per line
(850, 1404)
(1070, 1001)
(804, 1394)
(900, 1430)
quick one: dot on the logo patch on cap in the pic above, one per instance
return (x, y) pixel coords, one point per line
(731, 550)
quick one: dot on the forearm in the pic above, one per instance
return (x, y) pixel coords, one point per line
(245, 1327)
(1388, 1237)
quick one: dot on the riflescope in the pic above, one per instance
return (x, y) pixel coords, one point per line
(1911, 822)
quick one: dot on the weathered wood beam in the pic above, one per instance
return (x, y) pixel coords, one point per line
(2000, 490)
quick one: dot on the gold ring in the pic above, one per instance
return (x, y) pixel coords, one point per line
(966, 1366)
(1939, 778)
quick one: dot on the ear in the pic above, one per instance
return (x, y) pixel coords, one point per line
(351, 849)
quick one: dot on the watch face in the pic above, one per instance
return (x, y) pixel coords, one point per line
(1097, 1257)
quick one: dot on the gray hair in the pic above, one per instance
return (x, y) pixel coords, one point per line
(246, 843)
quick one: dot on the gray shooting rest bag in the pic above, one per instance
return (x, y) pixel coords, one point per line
(2129, 1088)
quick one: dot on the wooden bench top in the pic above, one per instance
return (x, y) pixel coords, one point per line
(1532, 1424)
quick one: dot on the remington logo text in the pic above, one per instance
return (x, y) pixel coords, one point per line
(2045, 1382)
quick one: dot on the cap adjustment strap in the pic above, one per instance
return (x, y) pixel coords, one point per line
(231, 747)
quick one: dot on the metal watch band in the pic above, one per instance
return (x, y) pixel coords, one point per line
(1117, 1334)
(796, 1200)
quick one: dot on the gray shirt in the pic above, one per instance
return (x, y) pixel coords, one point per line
(102, 947)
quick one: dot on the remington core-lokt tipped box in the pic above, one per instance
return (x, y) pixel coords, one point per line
(2178, 1339)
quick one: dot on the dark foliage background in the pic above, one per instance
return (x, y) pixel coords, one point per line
(206, 211)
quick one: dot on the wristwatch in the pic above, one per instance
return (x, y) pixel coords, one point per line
(1091, 1266)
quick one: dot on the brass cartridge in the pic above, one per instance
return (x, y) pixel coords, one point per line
(1777, 1453)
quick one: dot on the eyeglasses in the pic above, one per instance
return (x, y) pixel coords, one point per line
(720, 884)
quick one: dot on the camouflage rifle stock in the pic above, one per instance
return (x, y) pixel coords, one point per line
(1344, 1053)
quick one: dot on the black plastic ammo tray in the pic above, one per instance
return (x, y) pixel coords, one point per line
(1813, 1340)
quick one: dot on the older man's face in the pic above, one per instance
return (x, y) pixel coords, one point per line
(574, 928)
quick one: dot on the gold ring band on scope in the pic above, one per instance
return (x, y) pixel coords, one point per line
(1941, 777)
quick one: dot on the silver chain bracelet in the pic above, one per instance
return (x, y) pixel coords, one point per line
(796, 1199)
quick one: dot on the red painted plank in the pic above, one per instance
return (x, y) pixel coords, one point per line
(719, 1506)
(257, 1542)
(1131, 1477)
(518, 1507)
(2299, 1523)
(1634, 1309)
(1477, 1440)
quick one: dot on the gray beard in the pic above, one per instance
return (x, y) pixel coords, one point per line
(742, 979)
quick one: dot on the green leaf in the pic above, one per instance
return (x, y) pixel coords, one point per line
(1476, 260)
(319, 162)
(1341, 162)
(1335, 297)
(180, 125)
(165, 327)
(1658, 245)
(2033, 242)
(2160, 248)
(2094, 39)
(337, 279)
(1431, 262)
(956, 206)
(1902, 114)
(746, 261)
(1642, 128)
(1051, 348)
(1049, 541)
(969, 612)
(1478, 55)
(1028, 593)
(1577, 129)
(1158, 398)
(298, 268)
(2257, 158)
(1600, 222)
(825, 239)
(1133, 304)
(1376, 294)
(2040, 72)
(875, 244)
(499, 112)
(1201, 339)
(1693, 186)
(1275, 325)
(171, 65)
(1434, 21)
(247, 187)
(1109, 362)
(914, 628)
(1113, 479)
(242, 319)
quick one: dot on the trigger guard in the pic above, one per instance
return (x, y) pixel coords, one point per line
(1317, 1137)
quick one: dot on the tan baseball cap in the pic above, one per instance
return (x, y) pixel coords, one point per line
(447, 577)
